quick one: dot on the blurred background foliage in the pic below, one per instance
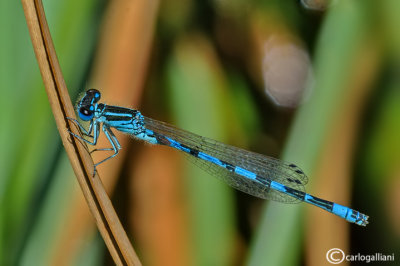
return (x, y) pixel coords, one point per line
(311, 82)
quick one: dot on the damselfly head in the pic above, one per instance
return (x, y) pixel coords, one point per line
(86, 106)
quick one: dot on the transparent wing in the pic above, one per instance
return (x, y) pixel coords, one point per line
(267, 168)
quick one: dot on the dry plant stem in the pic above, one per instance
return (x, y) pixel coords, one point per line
(100, 205)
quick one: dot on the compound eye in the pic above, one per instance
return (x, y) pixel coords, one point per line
(86, 114)
(94, 95)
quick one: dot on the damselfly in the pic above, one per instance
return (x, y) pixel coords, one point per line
(252, 173)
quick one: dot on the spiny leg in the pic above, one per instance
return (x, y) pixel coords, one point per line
(114, 143)
(96, 132)
(114, 138)
(82, 129)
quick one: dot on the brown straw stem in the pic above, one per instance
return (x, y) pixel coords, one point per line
(99, 203)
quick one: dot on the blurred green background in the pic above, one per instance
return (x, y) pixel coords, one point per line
(309, 82)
